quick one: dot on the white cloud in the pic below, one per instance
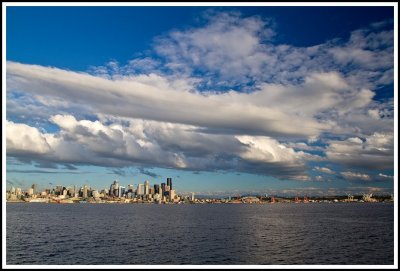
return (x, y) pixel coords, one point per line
(303, 146)
(227, 41)
(231, 50)
(267, 111)
(375, 152)
(266, 149)
(127, 142)
(363, 177)
(385, 177)
(152, 97)
(352, 176)
(269, 151)
(324, 170)
(23, 138)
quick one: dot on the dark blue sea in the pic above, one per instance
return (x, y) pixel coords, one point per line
(213, 234)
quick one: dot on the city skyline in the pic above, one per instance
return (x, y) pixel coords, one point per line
(220, 99)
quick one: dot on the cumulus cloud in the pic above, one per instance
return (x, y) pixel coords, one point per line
(231, 50)
(227, 40)
(23, 138)
(372, 152)
(150, 143)
(268, 151)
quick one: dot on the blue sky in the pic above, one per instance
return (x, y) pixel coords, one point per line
(225, 100)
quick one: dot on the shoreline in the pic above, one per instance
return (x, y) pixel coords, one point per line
(171, 203)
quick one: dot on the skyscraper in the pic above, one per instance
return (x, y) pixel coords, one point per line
(121, 191)
(169, 182)
(114, 189)
(85, 191)
(166, 190)
(146, 187)
(34, 187)
(140, 189)
(156, 189)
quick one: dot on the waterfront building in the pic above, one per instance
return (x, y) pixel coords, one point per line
(192, 197)
(129, 195)
(30, 191)
(58, 190)
(171, 194)
(34, 187)
(85, 191)
(71, 192)
(96, 194)
(163, 187)
(18, 191)
(157, 198)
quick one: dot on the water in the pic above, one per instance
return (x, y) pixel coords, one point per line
(200, 234)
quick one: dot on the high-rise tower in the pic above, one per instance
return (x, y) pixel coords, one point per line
(169, 183)
(146, 187)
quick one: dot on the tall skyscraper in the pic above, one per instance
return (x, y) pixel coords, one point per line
(85, 191)
(146, 187)
(59, 189)
(121, 191)
(140, 189)
(114, 189)
(169, 182)
(156, 189)
(163, 186)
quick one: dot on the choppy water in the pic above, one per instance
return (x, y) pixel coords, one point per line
(200, 234)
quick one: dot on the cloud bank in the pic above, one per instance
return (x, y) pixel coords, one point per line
(220, 97)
